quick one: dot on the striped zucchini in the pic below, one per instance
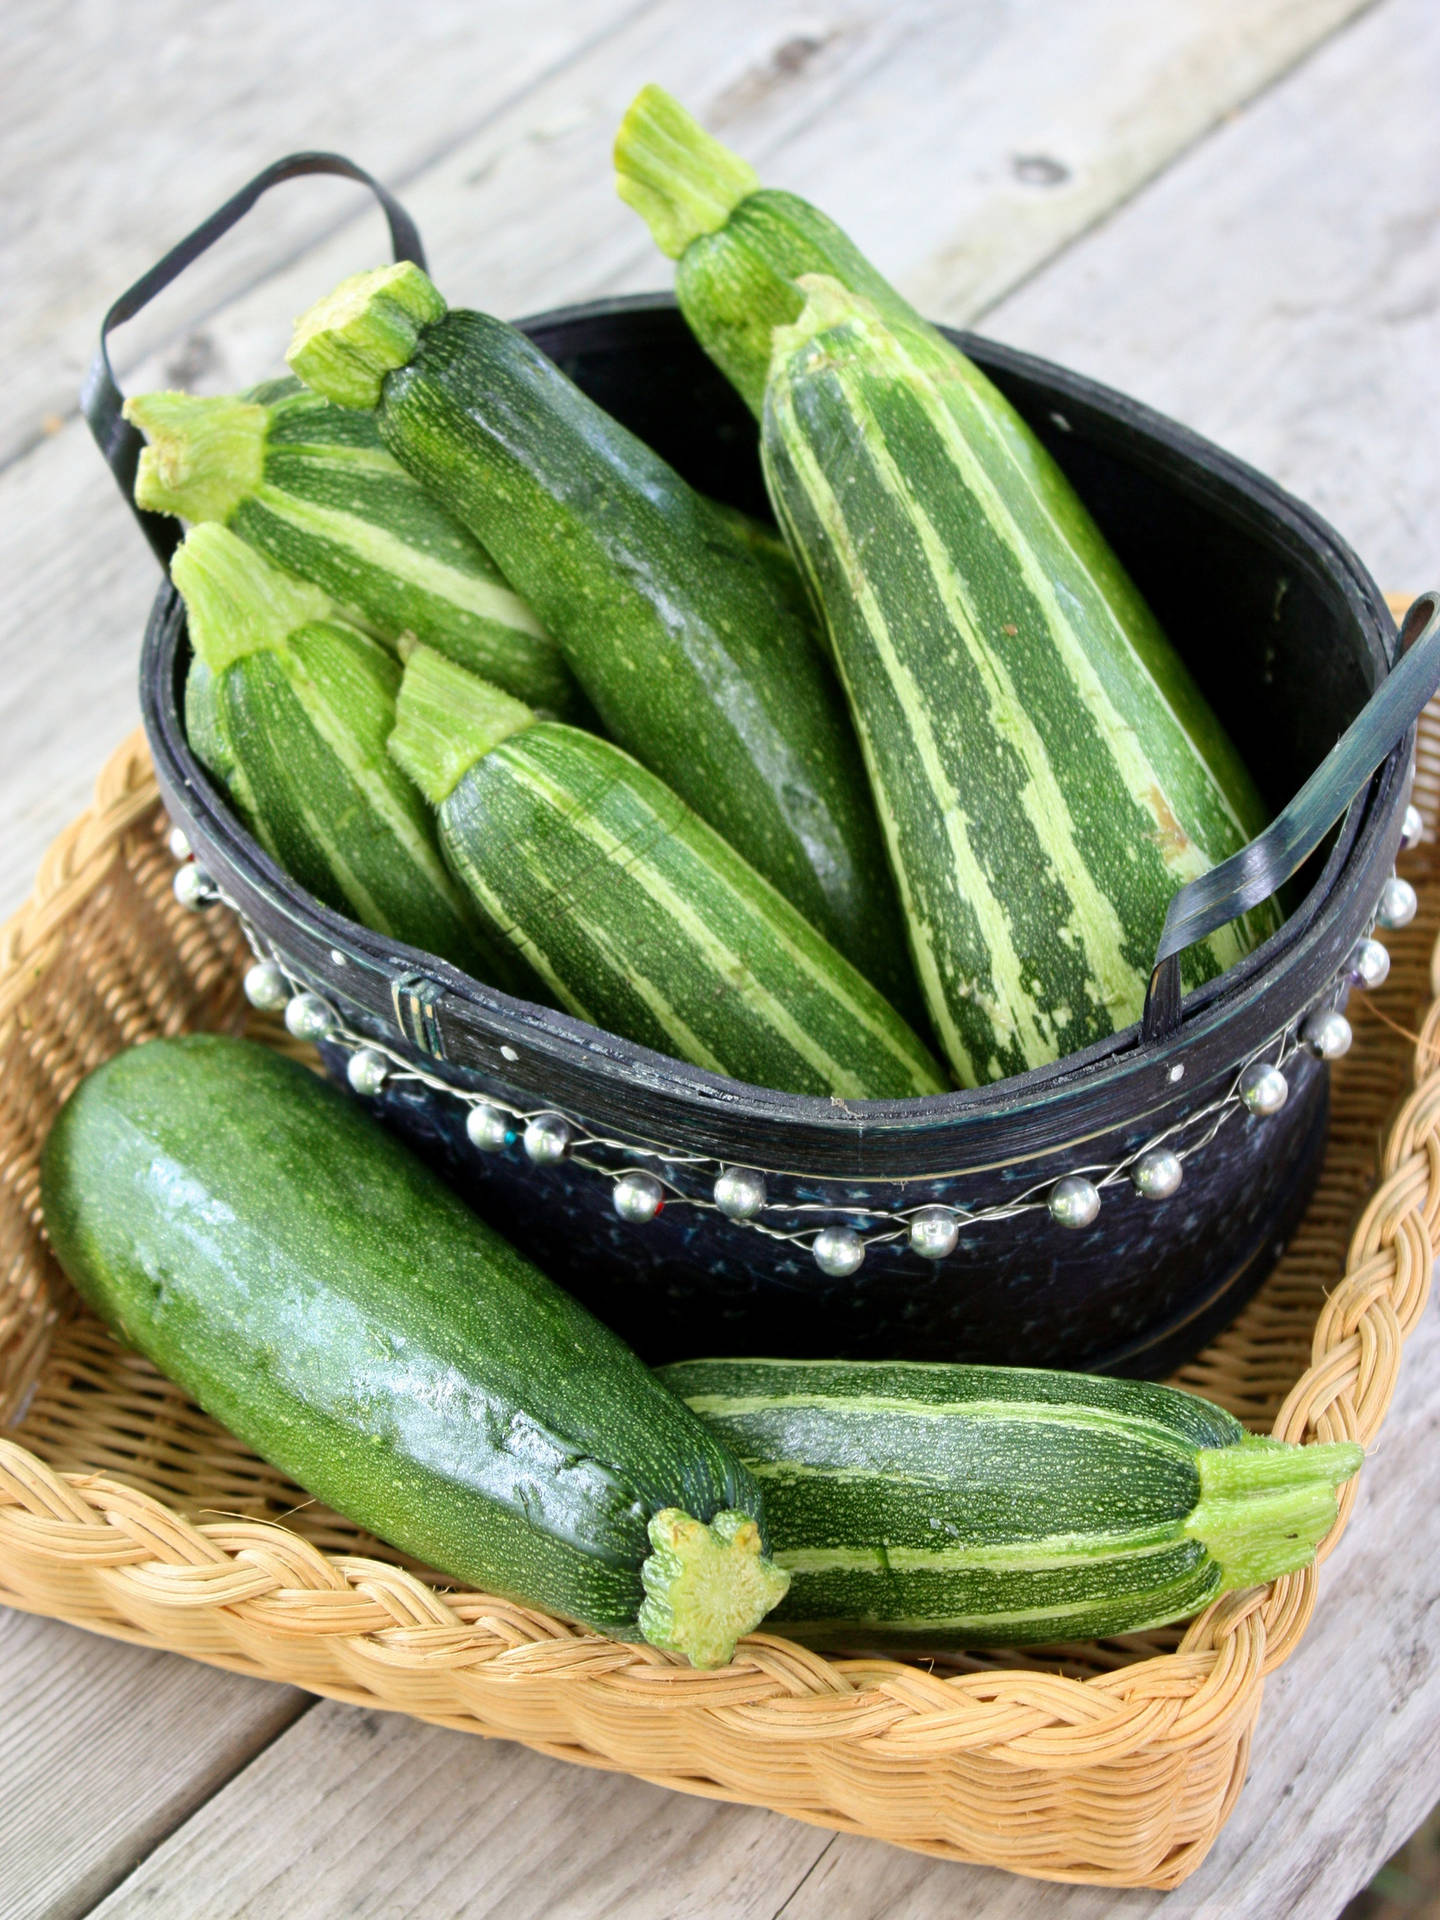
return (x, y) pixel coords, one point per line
(668, 620)
(290, 709)
(309, 485)
(921, 1505)
(326, 1296)
(1041, 793)
(636, 915)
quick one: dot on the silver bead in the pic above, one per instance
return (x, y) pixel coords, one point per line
(1326, 1033)
(740, 1193)
(367, 1071)
(1264, 1088)
(266, 986)
(934, 1232)
(1413, 831)
(1074, 1201)
(179, 843)
(638, 1197)
(547, 1137)
(1158, 1173)
(487, 1128)
(838, 1251)
(194, 888)
(308, 1018)
(1397, 903)
(1369, 964)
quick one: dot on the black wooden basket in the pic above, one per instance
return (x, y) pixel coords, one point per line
(699, 1215)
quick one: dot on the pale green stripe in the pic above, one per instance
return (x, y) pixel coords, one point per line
(1096, 923)
(1005, 965)
(337, 731)
(1069, 1414)
(486, 599)
(1138, 770)
(987, 1627)
(723, 960)
(1053, 1555)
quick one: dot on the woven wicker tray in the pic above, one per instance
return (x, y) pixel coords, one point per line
(126, 1510)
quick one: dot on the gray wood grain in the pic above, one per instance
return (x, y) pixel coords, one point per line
(365, 1816)
(104, 1750)
(1279, 289)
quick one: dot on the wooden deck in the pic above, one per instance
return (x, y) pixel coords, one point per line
(1228, 207)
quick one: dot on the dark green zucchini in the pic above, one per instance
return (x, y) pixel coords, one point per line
(636, 915)
(290, 708)
(313, 1286)
(310, 486)
(920, 1505)
(673, 627)
(1041, 797)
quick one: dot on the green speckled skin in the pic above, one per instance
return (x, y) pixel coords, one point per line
(667, 618)
(318, 1290)
(919, 1505)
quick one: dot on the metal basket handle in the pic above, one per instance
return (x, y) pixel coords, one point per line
(1247, 878)
(101, 399)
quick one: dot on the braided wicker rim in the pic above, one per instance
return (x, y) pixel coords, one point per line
(1113, 1763)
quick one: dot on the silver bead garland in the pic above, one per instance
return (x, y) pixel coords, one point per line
(308, 1018)
(367, 1071)
(637, 1197)
(1368, 965)
(1326, 1033)
(178, 842)
(934, 1232)
(547, 1138)
(266, 986)
(1263, 1088)
(1413, 830)
(194, 888)
(838, 1251)
(1157, 1174)
(1398, 903)
(740, 1193)
(487, 1128)
(1074, 1201)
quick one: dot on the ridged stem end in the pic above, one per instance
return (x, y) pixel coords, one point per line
(344, 346)
(680, 180)
(446, 719)
(235, 602)
(1265, 1505)
(705, 1586)
(206, 452)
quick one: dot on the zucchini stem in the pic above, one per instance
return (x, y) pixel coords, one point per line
(370, 325)
(680, 180)
(235, 602)
(446, 719)
(705, 1586)
(206, 452)
(1264, 1506)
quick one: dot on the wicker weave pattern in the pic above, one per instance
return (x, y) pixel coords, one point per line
(125, 1509)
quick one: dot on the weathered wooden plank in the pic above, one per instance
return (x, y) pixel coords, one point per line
(104, 1750)
(356, 1814)
(121, 127)
(1280, 289)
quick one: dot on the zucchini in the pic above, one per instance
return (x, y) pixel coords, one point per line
(1042, 795)
(290, 709)
(636, 915)
(921, 1505)
(670, 623)
(310, 487)
(318, 1290)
